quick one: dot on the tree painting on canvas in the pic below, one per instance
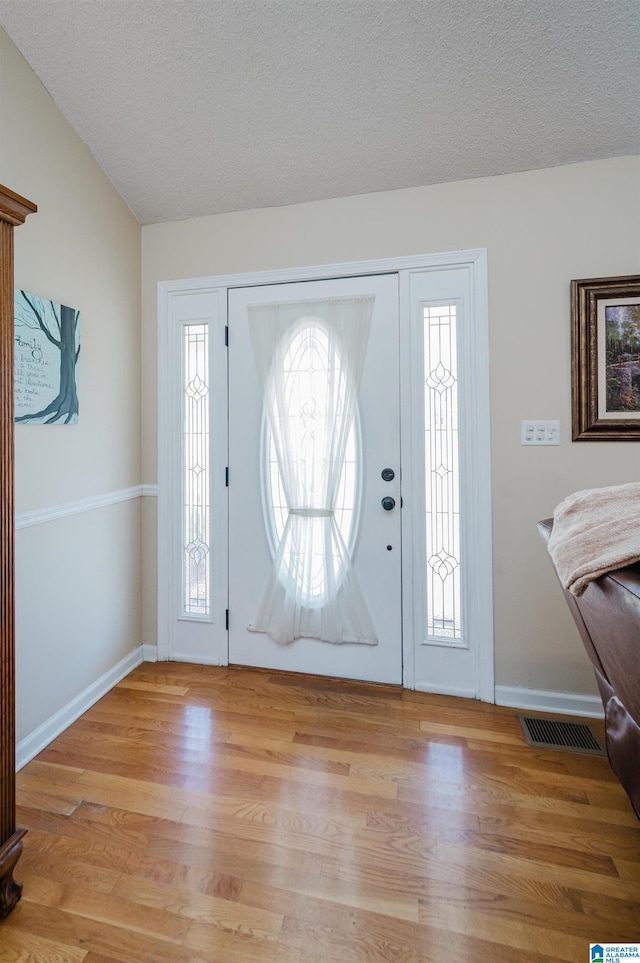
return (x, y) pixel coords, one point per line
(47, 349)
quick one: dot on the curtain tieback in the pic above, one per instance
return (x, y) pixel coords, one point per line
(312, 512)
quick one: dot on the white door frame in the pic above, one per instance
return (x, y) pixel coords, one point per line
(474, 365)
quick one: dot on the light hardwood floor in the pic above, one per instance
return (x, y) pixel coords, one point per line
(233, 815)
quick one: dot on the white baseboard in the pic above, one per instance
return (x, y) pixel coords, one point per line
(447, 690)
(149, 652)
(547, 700)
(34, 743)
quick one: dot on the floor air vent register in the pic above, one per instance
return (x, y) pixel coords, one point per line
(547, 733)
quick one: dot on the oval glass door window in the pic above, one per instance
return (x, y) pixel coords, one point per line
(315, 384)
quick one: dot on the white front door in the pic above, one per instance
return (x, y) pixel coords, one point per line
(258, 508)
(429, 322)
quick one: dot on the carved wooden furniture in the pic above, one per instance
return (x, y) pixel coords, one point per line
(608, 619)
(13, 211)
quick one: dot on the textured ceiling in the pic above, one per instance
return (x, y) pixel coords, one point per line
(199, 106)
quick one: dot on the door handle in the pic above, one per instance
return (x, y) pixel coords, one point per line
(388, 503)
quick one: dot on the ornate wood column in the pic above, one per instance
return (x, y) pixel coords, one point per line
(13, 211)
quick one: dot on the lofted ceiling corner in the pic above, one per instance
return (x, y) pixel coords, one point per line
(195, 107)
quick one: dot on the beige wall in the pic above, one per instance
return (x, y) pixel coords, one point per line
(541, 228)
(78, 578)
(77, 606)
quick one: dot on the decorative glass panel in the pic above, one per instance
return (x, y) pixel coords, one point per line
(309, 356)
(441, 473)
(312, 368)
(196, 575)
(345, 502)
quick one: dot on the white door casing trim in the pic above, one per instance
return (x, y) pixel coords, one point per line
(474, 364)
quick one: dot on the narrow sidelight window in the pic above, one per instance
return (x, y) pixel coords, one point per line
(196, 574)
(442, 474)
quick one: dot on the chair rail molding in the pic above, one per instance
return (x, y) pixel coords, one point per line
(40, 516)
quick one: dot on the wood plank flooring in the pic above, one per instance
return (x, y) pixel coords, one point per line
(213, 815)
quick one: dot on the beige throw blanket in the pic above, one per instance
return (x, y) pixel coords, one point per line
(595, 531)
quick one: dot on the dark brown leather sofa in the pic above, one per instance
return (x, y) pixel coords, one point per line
(608, 619)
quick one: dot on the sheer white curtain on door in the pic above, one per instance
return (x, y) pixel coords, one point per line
(312, 590)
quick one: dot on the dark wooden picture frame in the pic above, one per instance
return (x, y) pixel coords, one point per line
(601, 367)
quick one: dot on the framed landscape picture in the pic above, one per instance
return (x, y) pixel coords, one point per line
(605, 359)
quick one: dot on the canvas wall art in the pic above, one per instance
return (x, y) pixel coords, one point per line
(47, 352)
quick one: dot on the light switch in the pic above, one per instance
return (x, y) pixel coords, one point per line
(537, 432)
